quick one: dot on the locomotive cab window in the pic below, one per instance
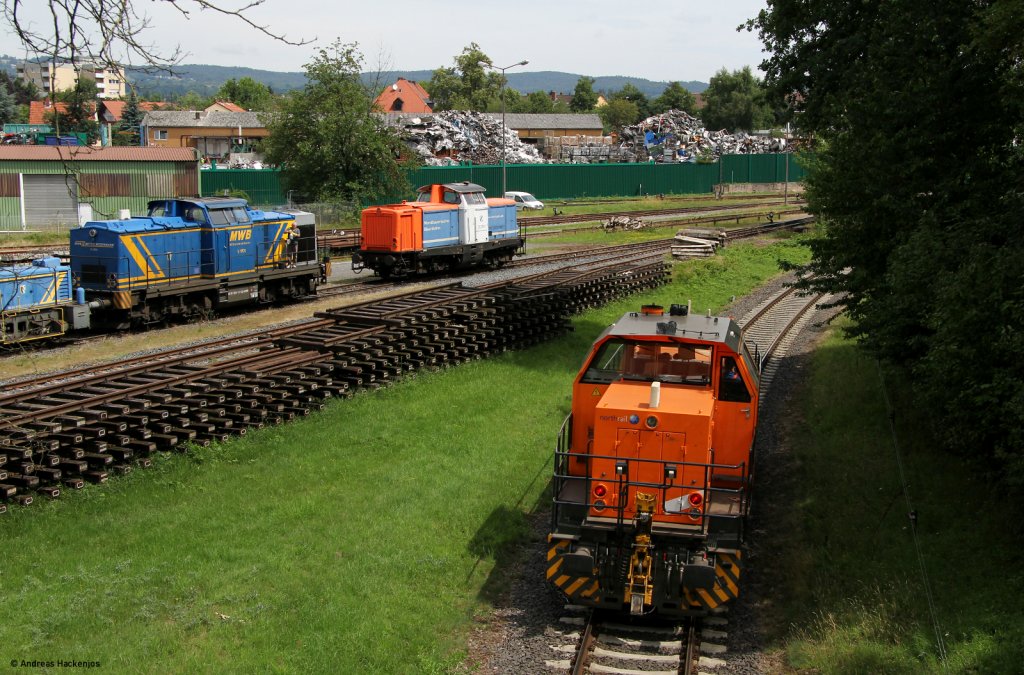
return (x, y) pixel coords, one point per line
(195, 215)
(240, 215)
(222, 216)
(451, 197)
(475, 199)
(730, 384)
(667, 362)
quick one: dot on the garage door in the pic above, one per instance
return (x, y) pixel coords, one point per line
(49, 202)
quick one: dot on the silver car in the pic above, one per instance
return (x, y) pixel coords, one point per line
(524, 200)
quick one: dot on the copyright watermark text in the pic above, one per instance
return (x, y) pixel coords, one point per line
(54, 663)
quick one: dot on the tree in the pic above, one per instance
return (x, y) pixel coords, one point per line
(736, 101)
(247, 93)
(536, 102)
(467, 86)
(128, 129)
(190, 100)
(618, 113)
(584, 98)
(8, 106)
(326, 136)
(80, 110)
(675, 97)
(23, 91)
(917, 182)
(629, 92)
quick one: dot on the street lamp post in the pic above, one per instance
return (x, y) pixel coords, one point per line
(501, 95)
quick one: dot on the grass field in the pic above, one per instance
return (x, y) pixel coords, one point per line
(852, 590)
(362, 539)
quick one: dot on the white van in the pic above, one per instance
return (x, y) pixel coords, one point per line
(524, 200)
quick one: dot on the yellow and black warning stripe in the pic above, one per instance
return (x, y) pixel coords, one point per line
(727, 584)
(577, 588)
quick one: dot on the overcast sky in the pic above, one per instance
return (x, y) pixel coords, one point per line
(682, 41)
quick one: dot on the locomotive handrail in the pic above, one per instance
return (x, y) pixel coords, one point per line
(622, 481)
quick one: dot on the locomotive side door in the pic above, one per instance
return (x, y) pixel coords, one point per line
(473, 212)
(735, 417)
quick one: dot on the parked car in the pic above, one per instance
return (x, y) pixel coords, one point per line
(524, 200)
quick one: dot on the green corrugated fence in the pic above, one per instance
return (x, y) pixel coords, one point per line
(262, 187)
(547, 181)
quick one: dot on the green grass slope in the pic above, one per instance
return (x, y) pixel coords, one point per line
(361, 539)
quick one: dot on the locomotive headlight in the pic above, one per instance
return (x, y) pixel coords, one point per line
(695, 499)
(651, 422)
(600, 490)
(599, 505)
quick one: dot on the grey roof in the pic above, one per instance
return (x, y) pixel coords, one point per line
(550, 121)
(215, 119)
(523, 120)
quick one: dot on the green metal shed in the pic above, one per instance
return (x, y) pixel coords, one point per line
(48, 187)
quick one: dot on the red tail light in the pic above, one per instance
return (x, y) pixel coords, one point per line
(695, 499)
(600, 490)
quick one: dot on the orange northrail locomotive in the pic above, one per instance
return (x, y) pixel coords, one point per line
(653, 466)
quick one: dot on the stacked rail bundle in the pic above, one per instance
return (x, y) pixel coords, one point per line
(67, 433)
(690, 243)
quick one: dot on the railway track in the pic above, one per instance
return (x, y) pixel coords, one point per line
(599, 643)
(85, 427)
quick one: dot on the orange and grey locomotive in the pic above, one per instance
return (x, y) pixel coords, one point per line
(653, 466)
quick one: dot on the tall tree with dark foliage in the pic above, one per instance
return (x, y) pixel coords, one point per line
(919, 180)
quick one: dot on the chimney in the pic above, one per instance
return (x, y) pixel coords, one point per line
(198, 115)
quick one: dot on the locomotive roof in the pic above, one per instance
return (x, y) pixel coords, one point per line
(208, 202)
(464, 186)
(707, 329)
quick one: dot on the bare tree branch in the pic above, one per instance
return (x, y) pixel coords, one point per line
(111, 32)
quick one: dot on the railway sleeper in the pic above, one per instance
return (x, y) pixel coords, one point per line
(49, 491)
(73, 483)
(50, 475)
(95, 476)
(70, 421)
(165, 441)
(98, 459)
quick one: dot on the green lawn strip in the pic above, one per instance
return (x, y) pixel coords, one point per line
(363, 539)
(852, 594)
(629, 204)
(655, 230)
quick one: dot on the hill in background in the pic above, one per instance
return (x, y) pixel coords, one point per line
(205, 80)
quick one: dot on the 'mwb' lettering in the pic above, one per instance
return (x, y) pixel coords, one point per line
(241, 235)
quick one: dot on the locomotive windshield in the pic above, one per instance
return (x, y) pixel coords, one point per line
(669, 362)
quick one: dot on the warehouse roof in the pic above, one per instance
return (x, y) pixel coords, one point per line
(79, 154)
(522, 120)
(193, 118)
(550, 121)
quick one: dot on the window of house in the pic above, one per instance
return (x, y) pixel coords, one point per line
(160, 135)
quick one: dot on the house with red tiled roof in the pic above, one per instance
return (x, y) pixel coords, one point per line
(109, 114)
(40, 112)
(404, 96)
(224, 106)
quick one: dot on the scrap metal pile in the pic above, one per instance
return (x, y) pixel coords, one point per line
(581, 149)
(677, 136)
(458, 136)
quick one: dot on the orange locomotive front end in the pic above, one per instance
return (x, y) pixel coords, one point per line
(653, 466)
